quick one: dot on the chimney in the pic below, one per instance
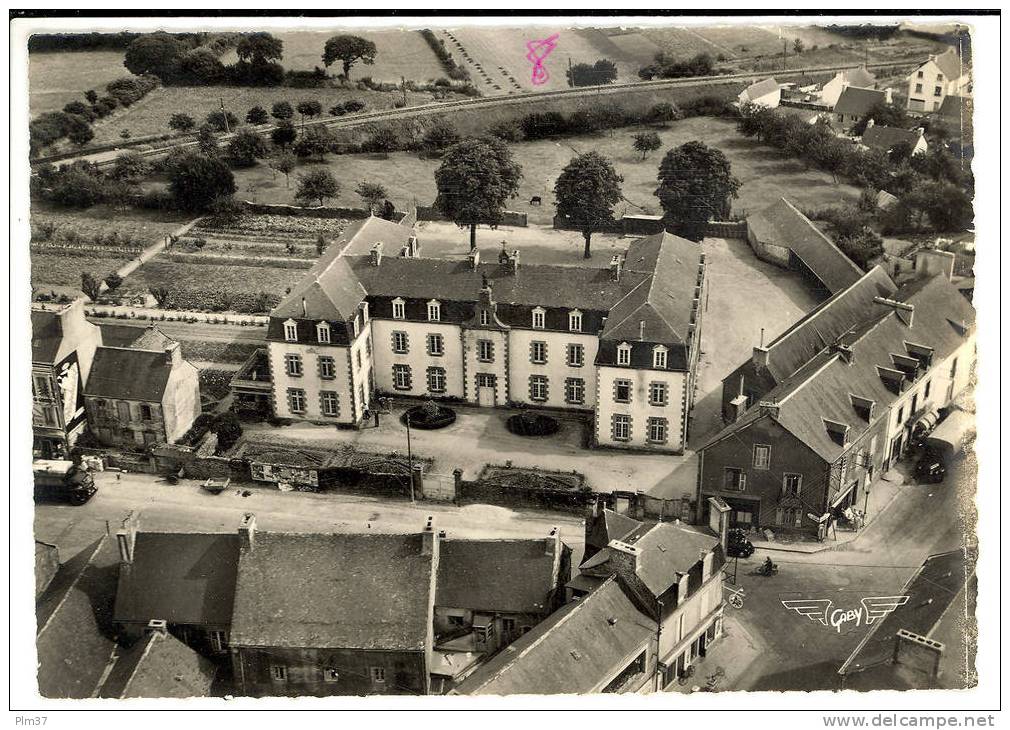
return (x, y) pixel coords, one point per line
(760, 356)
(641, 329)
(305, 308)
(615, 268)
(156, 627)
(718, 518)
(412, 247)
(887, 96)
(376, 253)
(513, 263)
(769, 409)
(247, 531)
(127, 539)
(474, 258)
(552, 545)
(844, 351)
(898, 307)
(870, 122)
(625, 557)
(173, 354)
(428, 537)
(921, 131)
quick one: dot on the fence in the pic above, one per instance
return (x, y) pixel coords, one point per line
(509, 217)
(726, 229)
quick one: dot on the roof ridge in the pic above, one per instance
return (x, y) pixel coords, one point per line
(820, 233)
(628, 294)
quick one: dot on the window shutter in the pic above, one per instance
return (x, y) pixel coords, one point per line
(743, 480)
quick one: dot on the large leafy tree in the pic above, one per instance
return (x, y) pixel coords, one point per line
(586, 192)
(197, 180)
(696, 183)
(475, 181)
(259, 48)
(317, 185)
(348, 49)
(245, 148)
(154, 53)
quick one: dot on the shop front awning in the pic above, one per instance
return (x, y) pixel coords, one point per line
(843, 494)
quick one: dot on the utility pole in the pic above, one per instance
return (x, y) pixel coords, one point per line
(659, 634)
(410, 458)
(224, 116)
(784, 46)
(403, 88)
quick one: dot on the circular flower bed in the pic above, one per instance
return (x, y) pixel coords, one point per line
(429, 416)
(532, 424)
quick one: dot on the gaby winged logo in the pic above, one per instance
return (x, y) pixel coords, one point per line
(870, 610)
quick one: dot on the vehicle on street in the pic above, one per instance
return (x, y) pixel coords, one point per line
(942, 445)
(737, 544)
(58, 480)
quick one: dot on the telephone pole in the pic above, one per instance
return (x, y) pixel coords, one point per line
(224, 116)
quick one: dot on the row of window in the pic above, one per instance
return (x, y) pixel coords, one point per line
(329, 402)
(621, 429)
(324, 333)
(121, 410)
(659, 358)
(937, 90)
(326, 365)
(939, 77)
(658, 392)
(279, 673)
(735, 480)
(538, 319)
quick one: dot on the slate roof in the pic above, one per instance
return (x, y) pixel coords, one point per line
(856, 102)
(182, 578)
(152, 338)
(932, 590)
(55, 336)
(124, 373)
(884, 138)
(956, 108)
(760, 88)
(575, 650)
(859, 77)
(359, 237)
(74, 616)
(949, 63)
(503, 576)
(159, 666)
(330, 290)
(781, 224)
(821, 388)
(607, 525)
(364, 591)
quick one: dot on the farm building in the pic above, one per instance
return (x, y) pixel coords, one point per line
(853, 104)
(884, 139)
(766, 93)
(858, 77)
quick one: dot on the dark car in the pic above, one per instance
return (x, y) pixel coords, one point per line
(930, 468)
(737, 544)
(62, 481)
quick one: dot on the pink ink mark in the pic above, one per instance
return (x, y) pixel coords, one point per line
(538, 52)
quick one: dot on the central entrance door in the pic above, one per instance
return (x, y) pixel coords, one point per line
(486, 390)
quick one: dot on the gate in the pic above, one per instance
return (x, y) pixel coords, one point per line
(439, 487)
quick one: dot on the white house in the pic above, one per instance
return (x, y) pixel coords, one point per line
(858, 77)
(766, 93)
(939, 77)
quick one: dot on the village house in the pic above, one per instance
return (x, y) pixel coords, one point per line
(853, 104)
(139, 396)
(941, 76)
(858, 77)
(63, 348)
(811, 446)
(620, 342)
(766, 93)
(884, 139)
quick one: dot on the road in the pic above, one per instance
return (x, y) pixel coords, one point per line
(185, 507)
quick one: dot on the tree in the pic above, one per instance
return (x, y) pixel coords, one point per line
(259, 48)
(130, 165)
(475, 181)
(282, 110)
(695, 183)
(284, 163)
(309, 108)
(372, 193)
(315, 143)
(603, 71)
(257, 115)
(798, 46)
(181, 123)
(888, 115)
(91, 96)
(383, 140)
(197, 180)
(440, 135)
(283, 134)
(663, 113)
(206, 140)
(348, 49)
(228, 429)
(201, 66)
(161, 294)
(646, 142)
(91, 285)
(317, 185)
(587, 191)
(113, 281)
(154, 53)
(246, 147)
(222, 121)
(80, 132)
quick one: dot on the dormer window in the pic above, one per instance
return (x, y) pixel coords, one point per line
(398, 308)
(291, 331)
(323, 332)
(575, 321)
(624, 354)
(659, 358)
(839, 432)
(485, 317)
(538, 318)
(434, 311)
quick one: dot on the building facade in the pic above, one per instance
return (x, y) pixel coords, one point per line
(941, 76)
(620, 343)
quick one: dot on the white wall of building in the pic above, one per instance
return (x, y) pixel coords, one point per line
(417, 356)
(555, 369)
(474, 367)
(311, 382)
(639, 408)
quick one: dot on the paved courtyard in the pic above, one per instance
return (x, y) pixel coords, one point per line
(479, 437)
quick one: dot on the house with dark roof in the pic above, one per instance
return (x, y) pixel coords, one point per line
(137, 396)
(811, 446)
(942, 75)
(782, 235)
(158, 665)
(63, 348)
(884, 139)
(928, 641)
(858, 77)
(620, 342)
(853, 104)
(766, 93)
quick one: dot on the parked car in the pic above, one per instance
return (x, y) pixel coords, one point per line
(737, 544)
(941, 446)
(62, 481)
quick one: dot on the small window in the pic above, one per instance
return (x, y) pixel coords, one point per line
(218, 641)
(575, 391)
(435, 344)
(538, 353)
(400, 343)
(918, 88)
(624, 355)
(792, 485)
(327, 368)
(291, 331)
(575, 321)
(357, 356)
(296, 400)
(330, 674)
(953, 369)
(456, 620)
(401, 377)
(485, 350)
(538, 387)
(622, 391)
(145, 412)
(937, 91)
(919, 75)
(621, 427)
(378, 674)
(293, 365)
(657, 430)
(434, 311)
(398, 309)
(939, 78)
(659, 358)
(576, 356)
(278, 673)
(657, 394)
(925, 392)
(538, 318)
(901, 415)
(329, 403)
(485, 318)
(735, 480)
(323, 332)
(42, 386)
(436, 380)
(762, 456)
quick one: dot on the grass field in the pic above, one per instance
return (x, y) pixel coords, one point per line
(55, 79)
(766, 174)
